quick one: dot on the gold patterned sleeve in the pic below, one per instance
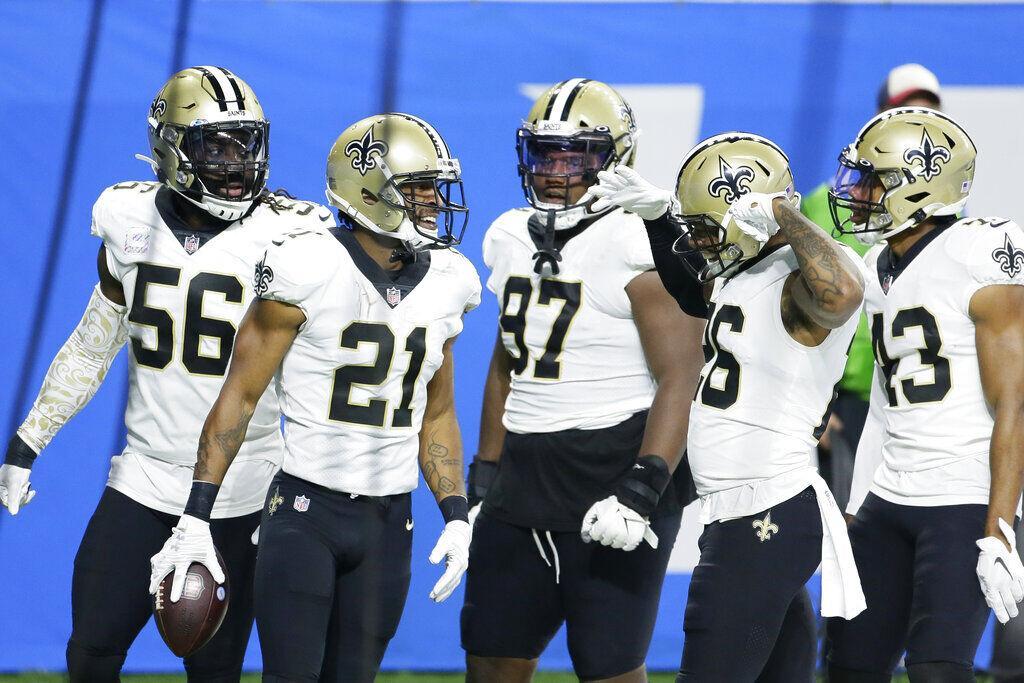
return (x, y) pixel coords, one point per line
(77, 370)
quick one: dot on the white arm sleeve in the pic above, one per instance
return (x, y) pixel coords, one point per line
(869, 449)
(77, 370)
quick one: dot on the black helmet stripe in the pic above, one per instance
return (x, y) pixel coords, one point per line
(218, 91)
(572, 98)
(239, 98)
(551, 101)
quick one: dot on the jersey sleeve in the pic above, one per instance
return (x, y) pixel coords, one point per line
(637, 251)
(294, 269)
(490, 250)
(992, 251)
(869, 448)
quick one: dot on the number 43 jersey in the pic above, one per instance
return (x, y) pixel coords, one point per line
(937, 425)
(186, 293)
(575, 352)
(353, 386)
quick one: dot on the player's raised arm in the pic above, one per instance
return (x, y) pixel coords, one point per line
(72, 380)
(998, 314)
(441, 464)
(261, 343)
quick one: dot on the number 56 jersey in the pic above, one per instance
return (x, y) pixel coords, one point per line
(186, 293)
(937, 425)
(353, 386)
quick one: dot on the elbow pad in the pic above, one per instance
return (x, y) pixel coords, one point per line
(77, 370)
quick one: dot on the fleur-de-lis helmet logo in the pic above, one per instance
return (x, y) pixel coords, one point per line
(731, 183)
(928, 155)
(366, 151)
(1009, 258)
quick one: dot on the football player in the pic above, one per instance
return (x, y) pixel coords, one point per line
(584, 412)
(947, 320)
(783, 302)
(358, 325)
(174, 277)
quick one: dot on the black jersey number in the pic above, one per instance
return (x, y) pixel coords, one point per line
(373, 412)
(548, 366)
(929, 354)
(196, 326)
(723, 360)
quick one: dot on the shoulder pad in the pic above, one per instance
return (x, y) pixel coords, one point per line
(295, 265)
(991, 249)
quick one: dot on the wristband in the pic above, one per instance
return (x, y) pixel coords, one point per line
(641, 489)
(201, 499)
(454, 509)
(481, 475)
(19, 453)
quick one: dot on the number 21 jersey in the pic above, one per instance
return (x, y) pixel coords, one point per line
(353, 386)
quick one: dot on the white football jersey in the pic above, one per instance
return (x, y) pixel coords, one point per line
(762, 394)
(353, 386)
(577, 362)
(937, 424)
(186, 294)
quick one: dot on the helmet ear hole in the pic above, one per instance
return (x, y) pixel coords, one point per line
(369, 197)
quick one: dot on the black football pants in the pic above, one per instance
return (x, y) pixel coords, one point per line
(110, 601)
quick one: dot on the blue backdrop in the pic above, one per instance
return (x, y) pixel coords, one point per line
(79, 77)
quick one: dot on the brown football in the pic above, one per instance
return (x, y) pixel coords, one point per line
(188, 624)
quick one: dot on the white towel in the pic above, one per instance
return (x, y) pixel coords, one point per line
(841, 594)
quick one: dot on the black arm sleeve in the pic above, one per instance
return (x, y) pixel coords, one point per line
(678, 281)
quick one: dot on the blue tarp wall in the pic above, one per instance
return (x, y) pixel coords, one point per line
(78, 77)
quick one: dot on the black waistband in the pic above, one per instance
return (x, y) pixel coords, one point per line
(292, 480)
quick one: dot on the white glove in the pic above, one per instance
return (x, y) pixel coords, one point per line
(754, 216)
(190, 542)
(609, 522)
(626, 188)
(473, 513)
(1001, 573)
(15, 491)
(255, 538)
(453, 547)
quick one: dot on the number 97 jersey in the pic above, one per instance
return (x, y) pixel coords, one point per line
(938, 427)
(574, 349)
(353, 386)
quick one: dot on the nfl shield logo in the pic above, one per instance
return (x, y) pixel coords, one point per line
(191, 244)
(393, 296)
(301, 503)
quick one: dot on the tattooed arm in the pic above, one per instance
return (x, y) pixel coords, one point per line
(264, 337)
(828, 288)
(440, 440)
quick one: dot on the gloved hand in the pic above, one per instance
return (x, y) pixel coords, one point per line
(626, 188)
(15, 490)
(453, 546)
(1001, 573)
(190, 542)
(611, 523)
(754, 215)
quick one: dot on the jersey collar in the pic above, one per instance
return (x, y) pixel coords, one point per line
(889, 266)
(392, 285)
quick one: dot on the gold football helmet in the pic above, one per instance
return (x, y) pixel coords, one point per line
(714, 174)
(574, 130)
(905, 166)
(209, 140)
(372, 171)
